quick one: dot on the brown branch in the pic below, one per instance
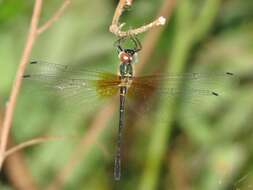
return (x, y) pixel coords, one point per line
(116, 27)
(118, 12)
(15, 166)
(29, 143)
(32, 36)
(18, 173)
(16, 170)
(17, 84)
(55, 17)
(129, 2)
(40, 140)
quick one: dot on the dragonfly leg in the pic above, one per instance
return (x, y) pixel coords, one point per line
(137, 43)
(135, 40)
(118, 44)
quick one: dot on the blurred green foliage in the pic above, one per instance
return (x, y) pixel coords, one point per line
(202, 144)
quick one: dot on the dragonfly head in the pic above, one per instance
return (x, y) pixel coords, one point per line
(128, 56)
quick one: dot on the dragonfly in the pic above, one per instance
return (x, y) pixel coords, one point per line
(87, 83)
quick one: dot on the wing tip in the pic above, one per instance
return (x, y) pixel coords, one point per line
(33, 62)
(215, 94)
(26, 76)
(230, 73)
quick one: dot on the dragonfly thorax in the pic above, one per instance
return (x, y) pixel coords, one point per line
(126, 70)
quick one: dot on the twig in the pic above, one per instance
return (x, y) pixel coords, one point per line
(29, 143)
(129, 2)
(16, 170)
(32, 35)
(15, 167)
(118, 12)
(116, 27)
(41, 140)
(17, 84)
(19, 176)
(55, 17)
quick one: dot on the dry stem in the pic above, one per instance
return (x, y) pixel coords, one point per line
(54, 18)
(18, 173)
(29, 143)
(34, 31)
(116, 27)
(17, 84)
(16, 170)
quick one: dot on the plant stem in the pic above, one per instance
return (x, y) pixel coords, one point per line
(184, 40)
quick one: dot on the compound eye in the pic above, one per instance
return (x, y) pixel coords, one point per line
(125, 57)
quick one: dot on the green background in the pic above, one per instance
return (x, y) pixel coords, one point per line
(200, 143)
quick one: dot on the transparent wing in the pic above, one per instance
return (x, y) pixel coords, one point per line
(192, 88)
(175, 79)
(43, 67)
(77, 85)
(197, 91)
(72, 84)
(198, 83)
